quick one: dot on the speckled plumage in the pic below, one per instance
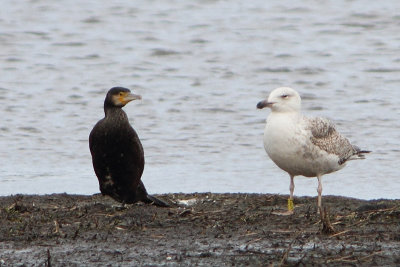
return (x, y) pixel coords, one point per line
(325, 136)
(300, 145)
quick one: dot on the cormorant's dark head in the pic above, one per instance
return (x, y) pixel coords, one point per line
(119, 97)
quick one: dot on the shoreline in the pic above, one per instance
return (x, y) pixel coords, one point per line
(200, 229)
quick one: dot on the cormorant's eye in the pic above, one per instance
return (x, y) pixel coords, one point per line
(121, 94)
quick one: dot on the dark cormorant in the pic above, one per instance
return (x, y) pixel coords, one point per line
(117, 153)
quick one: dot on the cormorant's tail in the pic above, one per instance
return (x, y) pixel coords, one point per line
(142, 195)
(155, 201)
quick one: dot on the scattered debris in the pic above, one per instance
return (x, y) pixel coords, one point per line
(187, 202)
(327, 227)
(208, 230)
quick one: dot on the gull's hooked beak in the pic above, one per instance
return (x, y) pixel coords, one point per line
(264, 103)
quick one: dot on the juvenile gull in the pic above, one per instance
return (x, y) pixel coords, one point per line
(300, 145)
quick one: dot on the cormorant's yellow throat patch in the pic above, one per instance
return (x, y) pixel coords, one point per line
(124, 98)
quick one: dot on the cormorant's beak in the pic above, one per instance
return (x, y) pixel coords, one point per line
(264, 103)
(129, 97)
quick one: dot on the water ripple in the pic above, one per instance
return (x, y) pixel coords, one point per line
(201, 67)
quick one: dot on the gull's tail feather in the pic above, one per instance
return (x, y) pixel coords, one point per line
(359, 154)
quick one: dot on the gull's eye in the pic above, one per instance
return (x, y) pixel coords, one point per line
(284, 96)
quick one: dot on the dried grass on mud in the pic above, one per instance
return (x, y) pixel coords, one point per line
(198, 229)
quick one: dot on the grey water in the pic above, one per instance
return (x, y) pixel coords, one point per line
(201, 67)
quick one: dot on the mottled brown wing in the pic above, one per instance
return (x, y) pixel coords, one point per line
(325, 136)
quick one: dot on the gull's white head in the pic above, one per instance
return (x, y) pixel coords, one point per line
(282, 99)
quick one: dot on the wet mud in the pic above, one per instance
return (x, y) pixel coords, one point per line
(197, 230)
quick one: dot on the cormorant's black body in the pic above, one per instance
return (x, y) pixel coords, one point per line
(117, 154)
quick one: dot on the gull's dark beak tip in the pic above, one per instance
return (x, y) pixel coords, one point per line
(261, 104)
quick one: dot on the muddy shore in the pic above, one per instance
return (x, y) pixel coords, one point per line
(197, 230)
